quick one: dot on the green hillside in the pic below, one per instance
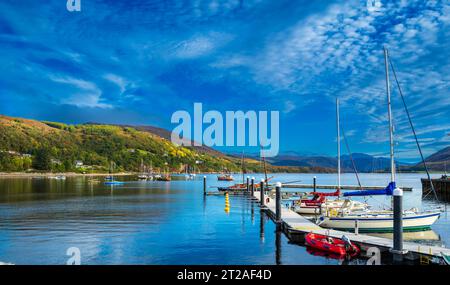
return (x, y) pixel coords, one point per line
(28, 144)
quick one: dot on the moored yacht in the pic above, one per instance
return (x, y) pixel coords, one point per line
(381, 221)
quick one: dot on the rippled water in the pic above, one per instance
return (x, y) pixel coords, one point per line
(158, 222)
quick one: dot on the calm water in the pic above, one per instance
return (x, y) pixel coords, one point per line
(159, 222)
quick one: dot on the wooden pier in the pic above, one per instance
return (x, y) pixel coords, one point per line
(296, 226)
(343, 187)
(442, 187)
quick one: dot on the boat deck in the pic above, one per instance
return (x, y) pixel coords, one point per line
(295, 224)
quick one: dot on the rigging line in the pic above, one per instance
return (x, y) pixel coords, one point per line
(264, 163)
(380, 202)
(413, 130)
(242, 166)
(351, 157)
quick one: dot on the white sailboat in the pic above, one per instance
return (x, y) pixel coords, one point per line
(142, 175)
(380, 221)
(338, 205)
(319, 203)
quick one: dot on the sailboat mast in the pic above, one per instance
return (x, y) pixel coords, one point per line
(263, 157)
(242, 166)
(397, 195)
(391, 128)
(338, 144)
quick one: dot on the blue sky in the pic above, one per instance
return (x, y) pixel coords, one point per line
(136, 62)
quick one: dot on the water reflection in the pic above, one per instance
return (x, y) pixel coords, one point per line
(261, 226)
(424, 237)
(150, 222)
(252, 212)
(278, 233)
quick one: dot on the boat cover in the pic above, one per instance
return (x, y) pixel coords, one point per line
(389, 190)
(327, 194)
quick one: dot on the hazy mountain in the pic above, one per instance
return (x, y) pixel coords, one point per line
(363, 162)
(438, 161)
(163, 133)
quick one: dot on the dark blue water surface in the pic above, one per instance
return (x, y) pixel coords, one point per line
(151, 223)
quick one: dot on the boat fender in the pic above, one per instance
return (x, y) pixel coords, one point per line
(333, 213)
(346, 240)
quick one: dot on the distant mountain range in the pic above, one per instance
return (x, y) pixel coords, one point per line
(363, 162)
(439, 161)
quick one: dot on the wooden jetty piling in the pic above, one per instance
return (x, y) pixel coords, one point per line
(397, 248)
(248, 184)
(278, 203)
(252, 187)
(314, 183)
(204, 185)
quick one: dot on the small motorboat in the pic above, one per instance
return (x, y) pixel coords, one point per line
(190, 176)
(235, 187)
(142, 177)
(225, 177)
(58, 177)
(341, 247)
(164, 177)
(114, 182)
(326, 254)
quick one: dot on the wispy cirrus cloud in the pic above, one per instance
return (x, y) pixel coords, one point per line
(83, 93)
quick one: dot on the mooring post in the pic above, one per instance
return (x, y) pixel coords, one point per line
(248, 185)
(356, 227)
(252, 187)
(314, 183)
(278, 202)
(204, 185)
(261, 189)
(397, 249)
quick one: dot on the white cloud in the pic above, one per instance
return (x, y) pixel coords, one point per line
(84, 93)
(200, 45)
(194, 47)
(117, 80)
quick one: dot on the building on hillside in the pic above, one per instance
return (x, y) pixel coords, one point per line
(55, 161)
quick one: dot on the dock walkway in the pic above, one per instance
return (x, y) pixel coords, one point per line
(343, 187)
(295, 224)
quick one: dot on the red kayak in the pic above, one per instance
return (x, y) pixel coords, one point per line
(332, 245)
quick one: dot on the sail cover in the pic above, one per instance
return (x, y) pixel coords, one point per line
(387, 191)
(327, 194)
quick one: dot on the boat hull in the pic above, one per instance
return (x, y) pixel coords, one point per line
(114, 183)
(308, 210)
(317, 209)
(332, 245)
(380, 225)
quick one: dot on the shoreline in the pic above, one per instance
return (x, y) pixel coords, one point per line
(74, 174)
(49, 174)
